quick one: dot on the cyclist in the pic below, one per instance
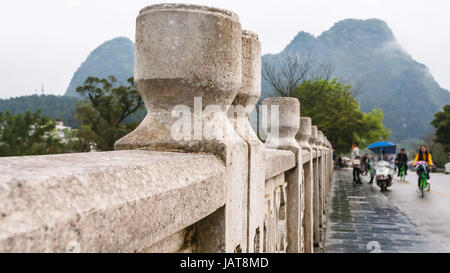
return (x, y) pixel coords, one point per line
(402, 161)
(423, 156)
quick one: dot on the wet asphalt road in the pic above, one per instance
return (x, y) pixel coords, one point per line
(431, 213)
(363, 219)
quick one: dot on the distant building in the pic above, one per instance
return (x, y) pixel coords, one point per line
(61, 131)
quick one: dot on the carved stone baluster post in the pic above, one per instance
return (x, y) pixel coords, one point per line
(242, 106)
(325, 170)
(281, 131)
(327, 166)
(303, 136)
(188, 70)
(316, 199)
(324, 175)
(332, 163)
(320, 139)
(330, 167)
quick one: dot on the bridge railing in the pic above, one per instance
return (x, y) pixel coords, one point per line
(193, 177)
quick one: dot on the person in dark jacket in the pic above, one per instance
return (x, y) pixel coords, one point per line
(365, 163)
(402, 161)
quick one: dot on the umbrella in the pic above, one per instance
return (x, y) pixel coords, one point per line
(383, 146)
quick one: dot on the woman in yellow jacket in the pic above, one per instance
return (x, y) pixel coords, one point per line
(423, 155)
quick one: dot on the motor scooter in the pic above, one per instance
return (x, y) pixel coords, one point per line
(385, 166)
(384, 173)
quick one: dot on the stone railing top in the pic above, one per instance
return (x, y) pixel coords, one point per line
(105, 202)
(278, 161)
(190, 7)
(250, 34)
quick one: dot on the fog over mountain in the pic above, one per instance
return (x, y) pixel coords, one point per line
(114, 57)
(368, 56)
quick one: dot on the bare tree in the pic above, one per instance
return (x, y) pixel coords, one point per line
(357, 88)
(429, 140)
(286, 73)
(324, 71)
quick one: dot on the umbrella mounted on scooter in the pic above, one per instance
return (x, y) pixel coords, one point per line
(384, 168)
(383, 146)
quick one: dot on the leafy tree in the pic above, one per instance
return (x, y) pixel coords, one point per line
(28, 134)
(335, 111)
(441, 122)
(375, 130)
(436, 149)
(103, 113)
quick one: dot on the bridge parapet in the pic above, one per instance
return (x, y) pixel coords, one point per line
(194, 176)
(122, 201)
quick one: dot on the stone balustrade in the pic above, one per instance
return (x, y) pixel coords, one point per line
(193, 176)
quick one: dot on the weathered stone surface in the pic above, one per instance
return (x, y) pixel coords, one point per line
(105, 202)
(277, 162)
(189, 62)
(172, 244)
(275, 227)
(305, 156)
(250, 90)
(316, 199)
(184, 52)
(281, 135)
(303, 135)
(320, 140)
(243, 104)
(235, 194)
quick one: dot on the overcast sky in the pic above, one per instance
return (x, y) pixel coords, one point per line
(45, 41)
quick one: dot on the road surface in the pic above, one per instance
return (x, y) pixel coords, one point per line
(431, 213)
(363, 219)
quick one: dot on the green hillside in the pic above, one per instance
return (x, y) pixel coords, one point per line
(55, 107)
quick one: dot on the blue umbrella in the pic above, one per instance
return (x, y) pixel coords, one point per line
(383, 146)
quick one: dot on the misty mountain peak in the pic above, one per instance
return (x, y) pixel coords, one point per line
(114, 57)
(367, 56)
(303, 39)
(357, 32)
